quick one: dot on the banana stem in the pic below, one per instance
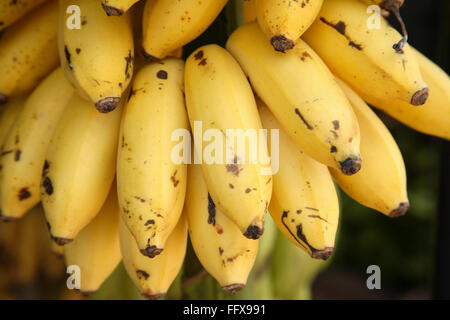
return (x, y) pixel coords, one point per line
(394, 7)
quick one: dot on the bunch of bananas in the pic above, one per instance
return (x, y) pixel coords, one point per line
(96, 99)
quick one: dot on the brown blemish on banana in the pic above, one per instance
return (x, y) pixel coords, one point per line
(350, 166)
(317, 217)
(48, 186)
(45, 168)
(17, 139)
(129, 60)
(400, 211)
(111, 11)
(202, 62)
(67, 53)
(149, 222)
(142, 274)
(220, 250)
(4, 153)
(333, 149)
(297, 112)
(61, 241)
(211, 211)
(17, 155)
(174, 179)
(219, 229)
(140, 199)
(107, 104)
(233, 288)
(231, 186)
(335, 135)
(313, 209)
(233, 168)
(340, 27)
(3, 99)
(281, 43)
(420, 97)
(254, 232)
(151, 251)
(162, 74)
(199, 55)
(24, 193)
(335, 124)
(305, 55)
(248, 190)
(148, 57)
(78, 50)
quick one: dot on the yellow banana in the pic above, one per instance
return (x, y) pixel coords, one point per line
(28, 51)
(24, 150)
(153, 276)
(218, 243)
(11, 11)
(79, 168)
(117, 7)
(170, 24)
(97, 58)
(304, 203)
(150, 181)
(381, 182)
(284, 22)
(235, 178)
(303, 95)
(96, 249)
(362, 54)
(434, 116)
(249, 11)
(8, 115)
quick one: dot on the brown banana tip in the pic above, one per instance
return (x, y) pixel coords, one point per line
(350, 166)
(254, 232)
(7, 219)
(108, 104)
(148, 57)
(153, 296)
(111, 11)
(323, 254)
(400, 211)
(281, 43)
(233, 288)
(420, 97)
(151, 251)
(387, 4)
(61, 241)
(88, 293)
(3, 99)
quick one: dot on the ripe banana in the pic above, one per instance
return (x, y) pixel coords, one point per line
(8, 115)
(293, 271)
(153, 277)
(362, 55)
(28, 51)
(96, 249)
(218, 243)
(235, 178)
(170, 24)
(117, 7)
(11, 11)
(79, 168)
(434, 116)
(97, 58)
(151, 184)
(304, 203)
(303, 95)
(284, 22)
(381, 182)
(23, 153)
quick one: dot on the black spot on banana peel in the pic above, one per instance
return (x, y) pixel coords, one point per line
(107, 104)
(156, 296)
(281, 43)
(111, 11)
(254, 232)
(61, 241)
(233, 288)
(400, 211)
(3, 99)
(350, 166)
(151, 251)
(420, 97)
